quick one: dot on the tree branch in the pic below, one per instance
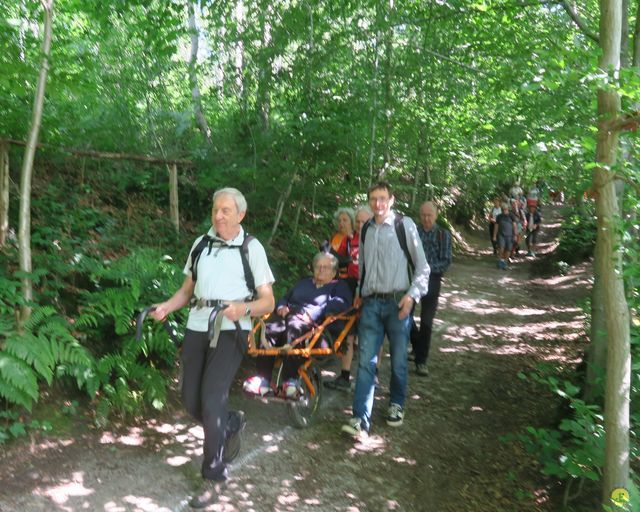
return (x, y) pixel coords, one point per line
(626, 122)
(108, 155)
(628, 181)
(580, 23)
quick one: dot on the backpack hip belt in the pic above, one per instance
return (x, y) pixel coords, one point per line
(204, 303)
(212, 303)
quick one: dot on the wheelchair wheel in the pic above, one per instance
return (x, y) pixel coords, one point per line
(304, 408)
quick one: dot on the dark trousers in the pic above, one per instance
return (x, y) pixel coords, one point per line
(494, 243)
(421, 338)
(207, 374)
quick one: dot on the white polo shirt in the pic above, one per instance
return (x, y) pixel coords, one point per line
(221, 277)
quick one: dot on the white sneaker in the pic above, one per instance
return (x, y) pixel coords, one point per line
(395, 415)
(354, 428)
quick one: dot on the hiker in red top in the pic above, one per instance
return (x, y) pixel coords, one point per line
(343, 381)
(343, 248)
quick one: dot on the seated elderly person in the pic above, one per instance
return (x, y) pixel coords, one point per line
(307, 304)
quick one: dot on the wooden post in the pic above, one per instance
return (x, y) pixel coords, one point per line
(173, 197)
(4, 192)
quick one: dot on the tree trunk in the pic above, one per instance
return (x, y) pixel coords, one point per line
(388, 92)
(201, 120)
(265, 72)
(624, 35)
(284, 197)
(4, 193)
(242, 90)
(597, 351)
(608, 263)
(24, 230)
(636, 40)
(174, 211)
(374, 111)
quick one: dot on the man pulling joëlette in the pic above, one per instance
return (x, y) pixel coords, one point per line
(388, 296)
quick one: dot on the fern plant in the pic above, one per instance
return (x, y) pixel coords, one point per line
(131, 374)
(43, 349)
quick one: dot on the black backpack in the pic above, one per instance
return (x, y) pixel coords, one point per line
(402, 240)
(210, 243)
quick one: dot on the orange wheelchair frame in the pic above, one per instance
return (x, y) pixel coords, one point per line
(308, 346)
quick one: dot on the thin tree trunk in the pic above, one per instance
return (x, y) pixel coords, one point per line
(241, 87)
(284, 197)
(608, 263)
(24, 230)
(636, 39)
(624, 35)
(4, 193)
(174, 211)
(388, 93)
(296, 220)
(265, 73)
(201, 120)
(311, 59)
(374, 113)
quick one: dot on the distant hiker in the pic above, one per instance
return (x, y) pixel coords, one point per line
(390, 245)
(533, 195)
(436, 242)
(303, 307)
(520, 215)
(516, 190)
(504, 232)
(494, 211)
(343, 381)
(218, 275)
(533, 226)
(342, 245)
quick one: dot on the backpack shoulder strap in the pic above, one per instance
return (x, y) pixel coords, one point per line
(207, 241)
(401, 233)
(195, 255)
(363, 233)
(244, 256)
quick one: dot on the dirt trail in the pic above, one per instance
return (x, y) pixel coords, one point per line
(447, 456)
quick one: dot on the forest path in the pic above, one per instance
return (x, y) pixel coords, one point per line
(447, 456)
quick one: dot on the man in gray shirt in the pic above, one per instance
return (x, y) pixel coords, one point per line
(387, 294)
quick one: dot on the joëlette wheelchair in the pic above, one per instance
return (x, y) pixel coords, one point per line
(309, 347)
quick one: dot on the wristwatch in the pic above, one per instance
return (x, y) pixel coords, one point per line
(247, 310)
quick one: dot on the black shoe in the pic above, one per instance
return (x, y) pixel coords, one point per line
(421, 369)
(208, 494)
(233, 441)
(341, 383)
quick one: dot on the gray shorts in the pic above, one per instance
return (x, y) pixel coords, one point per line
(505, 242)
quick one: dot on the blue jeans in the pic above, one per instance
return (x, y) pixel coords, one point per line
(377, 318)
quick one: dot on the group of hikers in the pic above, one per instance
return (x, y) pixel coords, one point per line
(513, 218)
(378, 261)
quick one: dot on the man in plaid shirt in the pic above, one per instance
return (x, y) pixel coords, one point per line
(436, 242)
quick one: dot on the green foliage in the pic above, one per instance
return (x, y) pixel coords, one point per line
(577, 236)
(130, 374)
(575, 449)
(127, 385)
(42, 349)
(12, 426)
